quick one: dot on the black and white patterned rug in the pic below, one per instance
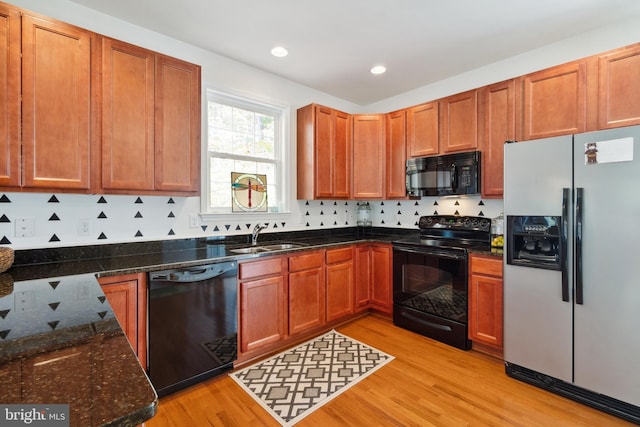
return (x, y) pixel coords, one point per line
(292, 384)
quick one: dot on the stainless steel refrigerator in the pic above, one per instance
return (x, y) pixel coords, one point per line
(572, 267)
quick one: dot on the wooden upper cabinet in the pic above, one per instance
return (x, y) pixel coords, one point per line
(10, 75)
(396, 154)
(324, 153)
(422, 130)
(150, 121)
(177, 125)
(459, 122)
(368, 156)
(619, 88)
(127, 116)
(555, 101)
(342, 155)
(497, 112)
(56, 113)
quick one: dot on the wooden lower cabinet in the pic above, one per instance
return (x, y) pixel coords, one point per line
(262, 298)
(374, 277)
(127, 296)
(486, 304)
(285, 299)
(340, 275)
(306, 292)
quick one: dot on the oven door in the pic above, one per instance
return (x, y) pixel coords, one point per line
(430, 292)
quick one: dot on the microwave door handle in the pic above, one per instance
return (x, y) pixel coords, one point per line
(454, 177)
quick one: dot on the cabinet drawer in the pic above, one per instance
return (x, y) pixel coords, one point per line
(339, 255)
(306, 260)
(486, 265)
(265, 267)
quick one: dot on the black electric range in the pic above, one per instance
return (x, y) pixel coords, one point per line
(430, 280)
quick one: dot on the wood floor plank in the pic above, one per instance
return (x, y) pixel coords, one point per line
(428, 384)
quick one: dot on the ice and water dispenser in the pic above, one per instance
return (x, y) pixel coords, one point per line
(535, 241)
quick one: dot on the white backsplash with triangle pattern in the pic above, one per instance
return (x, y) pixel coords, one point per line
(57, 217)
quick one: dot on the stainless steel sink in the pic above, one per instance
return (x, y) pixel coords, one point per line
(250, 250)
(283, 246)
(267, 248)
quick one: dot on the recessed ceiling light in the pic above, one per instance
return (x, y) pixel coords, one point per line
(279, 52)
(378, 69)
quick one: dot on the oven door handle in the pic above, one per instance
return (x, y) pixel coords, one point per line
(425, 251)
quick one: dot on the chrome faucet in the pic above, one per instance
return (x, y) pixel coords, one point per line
(254, 234)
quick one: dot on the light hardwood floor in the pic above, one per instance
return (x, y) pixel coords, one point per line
(428, 384)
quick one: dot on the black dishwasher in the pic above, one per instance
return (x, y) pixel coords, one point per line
(192, 325)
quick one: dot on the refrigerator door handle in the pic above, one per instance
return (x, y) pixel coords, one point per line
(563, 244)
(579, 219)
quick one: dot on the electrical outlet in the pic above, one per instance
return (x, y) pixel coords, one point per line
(25, 301)
(25, 227)
(193, 221)
(84, 227)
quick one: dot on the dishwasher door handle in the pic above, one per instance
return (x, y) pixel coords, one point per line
(193, 274)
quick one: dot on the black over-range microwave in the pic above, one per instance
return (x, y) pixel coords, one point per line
(450, 174)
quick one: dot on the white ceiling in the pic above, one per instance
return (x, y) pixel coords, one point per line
(333, 43)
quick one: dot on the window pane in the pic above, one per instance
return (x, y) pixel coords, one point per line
(220, 140)
(240, 139)
(243, 144)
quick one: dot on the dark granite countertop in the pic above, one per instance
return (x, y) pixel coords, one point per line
(125, 258)
(60, 343)
(51, 303)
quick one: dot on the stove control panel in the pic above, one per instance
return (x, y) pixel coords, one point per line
(453, 222)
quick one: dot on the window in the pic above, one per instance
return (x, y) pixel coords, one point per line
(244, 136)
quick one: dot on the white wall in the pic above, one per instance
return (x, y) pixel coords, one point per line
(115, 219)
(586, 44)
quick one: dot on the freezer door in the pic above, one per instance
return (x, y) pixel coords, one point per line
(537, 322)
(607, 340)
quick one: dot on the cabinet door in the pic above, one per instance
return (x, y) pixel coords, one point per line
(422, 130)
(368, 156)
(262, 312)
(497, 117)
(177, 125)
(459, 124)
(127, 117)
(381, 291)
(10, 97)
(127, 296)
(486, 302)
(485, 309)
(307, 294)
(324, 153)
(555, 101)
(324, 165)
(342, 164)
(340, 283)
(619, 88)
(396, 154)
(56, 113)
(363, 277)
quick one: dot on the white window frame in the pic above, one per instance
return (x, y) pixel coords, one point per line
(282, 157)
